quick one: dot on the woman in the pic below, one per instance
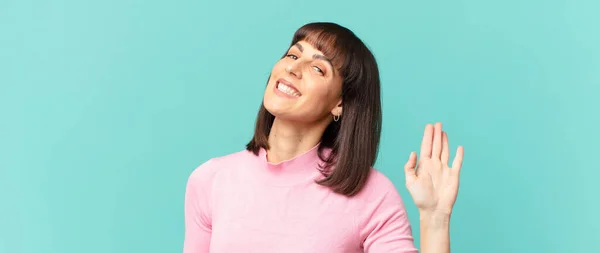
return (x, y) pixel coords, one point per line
(305, 181)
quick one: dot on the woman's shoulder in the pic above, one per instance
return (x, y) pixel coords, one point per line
(212, 166)
(378, 184)
(379, 179)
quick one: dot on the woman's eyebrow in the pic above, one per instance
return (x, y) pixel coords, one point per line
(322, 57)
(299, 47)
(316, 56)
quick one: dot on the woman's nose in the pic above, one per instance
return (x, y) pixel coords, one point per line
(295, 69)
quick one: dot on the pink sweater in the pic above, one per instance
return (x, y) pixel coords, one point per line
(243, 203)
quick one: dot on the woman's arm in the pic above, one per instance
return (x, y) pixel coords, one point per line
(198, 225)
(433, 186)
(435, 232)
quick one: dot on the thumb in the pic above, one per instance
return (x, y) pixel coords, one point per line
(409, 167)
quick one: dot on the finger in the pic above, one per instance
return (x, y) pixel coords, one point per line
(409, 167)
(458, 159)
(445, 149)
(437, 141)
(427, 141)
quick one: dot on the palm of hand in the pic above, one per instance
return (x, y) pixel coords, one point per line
(433, 185)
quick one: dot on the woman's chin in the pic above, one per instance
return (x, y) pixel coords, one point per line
(278, 106)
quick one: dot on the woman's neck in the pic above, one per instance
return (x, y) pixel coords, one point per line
(288, 139)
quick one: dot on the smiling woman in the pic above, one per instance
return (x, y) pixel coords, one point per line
(327, 64)
(306, 182)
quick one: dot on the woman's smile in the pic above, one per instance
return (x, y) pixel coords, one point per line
(286, 88)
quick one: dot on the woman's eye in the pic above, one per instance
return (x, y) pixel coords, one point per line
(318, 70)
(293, 56)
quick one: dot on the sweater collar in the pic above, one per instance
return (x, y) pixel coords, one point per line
(301, 168)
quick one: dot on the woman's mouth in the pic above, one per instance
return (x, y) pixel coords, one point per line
(288, 89)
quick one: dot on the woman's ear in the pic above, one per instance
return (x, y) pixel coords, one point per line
(337, 110)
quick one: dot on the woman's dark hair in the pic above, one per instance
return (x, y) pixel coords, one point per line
(354, 139)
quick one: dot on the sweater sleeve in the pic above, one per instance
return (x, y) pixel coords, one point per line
(197, 208)
(386, 227)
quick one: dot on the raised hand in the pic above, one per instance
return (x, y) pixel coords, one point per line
(432, 184)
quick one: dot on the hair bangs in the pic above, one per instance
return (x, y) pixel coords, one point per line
(324, 41)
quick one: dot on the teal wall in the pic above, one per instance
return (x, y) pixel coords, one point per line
(107, 106)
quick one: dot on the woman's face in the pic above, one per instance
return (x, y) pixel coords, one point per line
(304, 86)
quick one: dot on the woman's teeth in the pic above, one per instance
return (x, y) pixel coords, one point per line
(288, 90)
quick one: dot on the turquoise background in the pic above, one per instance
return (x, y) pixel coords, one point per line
(107, 106)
